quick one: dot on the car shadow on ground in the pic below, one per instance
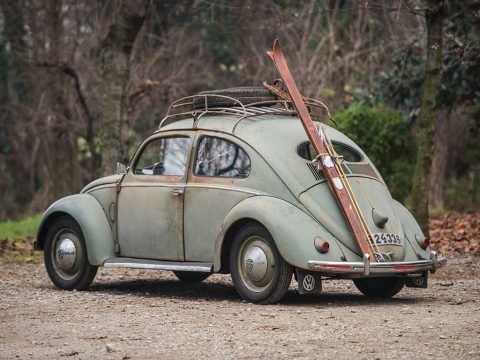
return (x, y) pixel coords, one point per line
(169, 289)
(221, 291)
(343, 299)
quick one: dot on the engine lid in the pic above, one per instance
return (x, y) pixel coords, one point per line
(377, 208)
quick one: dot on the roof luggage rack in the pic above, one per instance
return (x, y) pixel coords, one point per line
(245, 102)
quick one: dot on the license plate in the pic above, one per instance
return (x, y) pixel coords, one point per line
(387, 239)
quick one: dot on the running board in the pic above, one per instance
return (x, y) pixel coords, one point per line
(132, 263)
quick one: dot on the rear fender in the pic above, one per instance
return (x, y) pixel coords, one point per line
(293, 231)
(412, 230)
(91, 218)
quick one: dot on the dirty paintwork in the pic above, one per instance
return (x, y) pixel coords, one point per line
(150, 221)
(106, 196)
(103, 181)
(88, 213)
(294, 242)
(186, 217)
(205, 209)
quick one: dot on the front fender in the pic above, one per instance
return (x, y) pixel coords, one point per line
(292, 229)
(91, 218)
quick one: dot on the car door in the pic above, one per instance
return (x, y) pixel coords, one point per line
(150, 202)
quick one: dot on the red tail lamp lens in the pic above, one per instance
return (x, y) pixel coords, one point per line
(325, 246)
(321, 245)
(426, 243)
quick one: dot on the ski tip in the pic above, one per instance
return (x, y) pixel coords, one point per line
(276, 45)
(276, 49)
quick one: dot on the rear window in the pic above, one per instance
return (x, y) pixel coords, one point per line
(349, 154)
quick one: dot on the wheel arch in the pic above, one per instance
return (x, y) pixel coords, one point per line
(87, 212)
(228, 239)
(46, 223)
(292, 229)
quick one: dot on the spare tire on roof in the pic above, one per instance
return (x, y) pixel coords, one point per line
(246, 95)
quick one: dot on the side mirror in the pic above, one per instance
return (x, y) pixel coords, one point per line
(121, 168)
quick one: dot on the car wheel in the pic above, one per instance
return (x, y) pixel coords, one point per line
(259, 273)
(191, 276)
(380, 287)
(65, 256)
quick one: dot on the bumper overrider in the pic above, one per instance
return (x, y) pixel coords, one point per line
(366, 268)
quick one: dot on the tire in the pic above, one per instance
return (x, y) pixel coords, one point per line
(191, 276)
(65, 256)
(259, 273)
(382, 288)
(246, 95)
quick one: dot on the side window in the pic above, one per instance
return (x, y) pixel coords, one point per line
(221, 158)
(165, 156)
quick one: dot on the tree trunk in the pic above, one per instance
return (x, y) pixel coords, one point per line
(440, 159)
(15, 89)
(115, 57)
(57, 159)
(433, 72)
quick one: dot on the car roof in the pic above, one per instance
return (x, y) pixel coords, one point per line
(269, 131)
(275, 137)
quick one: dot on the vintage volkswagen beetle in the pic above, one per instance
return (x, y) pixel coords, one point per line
(228, 186)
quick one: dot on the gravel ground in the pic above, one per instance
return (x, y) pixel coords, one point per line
(134, 314)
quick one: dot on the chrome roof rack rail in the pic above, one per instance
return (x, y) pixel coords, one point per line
(183, 108)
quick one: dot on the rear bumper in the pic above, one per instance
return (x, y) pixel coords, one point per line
(367, 268)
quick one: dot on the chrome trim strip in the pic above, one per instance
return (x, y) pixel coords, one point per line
(193, 186)
(400, 267)
(131, 263)
(168, 185)
(219, 187)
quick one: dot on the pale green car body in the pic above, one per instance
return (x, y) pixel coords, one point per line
(193, 219)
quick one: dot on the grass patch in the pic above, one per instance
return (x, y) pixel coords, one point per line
(21, 229)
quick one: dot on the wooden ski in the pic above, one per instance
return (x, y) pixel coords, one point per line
(328, 162)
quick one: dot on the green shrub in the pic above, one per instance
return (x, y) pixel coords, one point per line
(15, 230)
(384, 136)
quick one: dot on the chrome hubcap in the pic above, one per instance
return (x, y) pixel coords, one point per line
(256, 263)
(66, 254)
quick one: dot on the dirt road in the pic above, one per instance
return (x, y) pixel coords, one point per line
(130, 314)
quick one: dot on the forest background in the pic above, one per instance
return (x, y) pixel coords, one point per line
(83, 81)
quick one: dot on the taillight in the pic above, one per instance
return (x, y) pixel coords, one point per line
(422, 241)
(325, 246)
(321, 245)
(426, 243)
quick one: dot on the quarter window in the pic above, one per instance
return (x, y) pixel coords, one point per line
(165, 156)
(221, 158)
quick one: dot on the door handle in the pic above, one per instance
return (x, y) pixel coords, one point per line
(178, 191)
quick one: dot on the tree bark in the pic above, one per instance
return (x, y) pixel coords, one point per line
(58, 146)
(440, 159)
(15, 88)
(116, 53)
(433, 71)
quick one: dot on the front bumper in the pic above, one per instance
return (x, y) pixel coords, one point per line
(367, 268)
